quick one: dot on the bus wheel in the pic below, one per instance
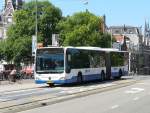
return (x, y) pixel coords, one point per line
(102, 76)
(79, 78)
(119, 74)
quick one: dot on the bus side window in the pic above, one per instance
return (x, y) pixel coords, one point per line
(69, 58)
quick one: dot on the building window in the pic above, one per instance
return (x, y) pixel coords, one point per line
(117, 31)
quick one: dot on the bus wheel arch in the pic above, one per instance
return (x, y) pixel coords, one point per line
(120, 73)
(79, 77)
(102, 75)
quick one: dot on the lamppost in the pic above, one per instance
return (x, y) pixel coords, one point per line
(86, 3)
(36, 22)
(34, 37)
(111, 35)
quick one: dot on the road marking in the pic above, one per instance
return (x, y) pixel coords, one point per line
(115, 106)
(136, 98)
(2, 100)
(62, 92)
(134, 90)
(147, 84)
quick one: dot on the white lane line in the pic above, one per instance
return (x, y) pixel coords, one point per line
(115, 106)
(19, 91)
(136, 98)
(147, 84)
(62, 92)
(134, 90)
(2, 100)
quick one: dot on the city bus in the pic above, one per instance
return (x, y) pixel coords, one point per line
(63, 65)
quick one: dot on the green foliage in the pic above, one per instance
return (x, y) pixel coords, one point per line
(117, 59)
(82, 29)
(2, 49)
(17, 46)
(24, 26)
(48, 17)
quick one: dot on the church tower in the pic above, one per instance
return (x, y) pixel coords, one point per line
(17, 4)
(8, 13)
(6, 16)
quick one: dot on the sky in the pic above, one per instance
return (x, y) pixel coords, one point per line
(118, 12)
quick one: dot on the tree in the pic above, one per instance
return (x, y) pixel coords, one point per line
(83, 29)
(18, 43)
(2, 52)
(48, 17)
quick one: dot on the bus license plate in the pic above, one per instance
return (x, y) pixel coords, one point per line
(49, 82)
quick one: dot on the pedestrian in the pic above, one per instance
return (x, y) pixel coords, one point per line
(13, 75)
(2, 69)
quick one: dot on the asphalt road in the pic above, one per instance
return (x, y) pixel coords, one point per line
(130, 99)
(55, 91)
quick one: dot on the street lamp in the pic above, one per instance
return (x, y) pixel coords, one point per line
(36, 22)
(86, 3)
(111, 45)
(34, 37)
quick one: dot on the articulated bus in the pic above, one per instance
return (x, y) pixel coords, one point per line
(63, 65)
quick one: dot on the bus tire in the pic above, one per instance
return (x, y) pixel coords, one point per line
(119, 74)
(102, 76)
(79, 78)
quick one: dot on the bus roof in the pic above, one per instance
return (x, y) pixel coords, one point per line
(88, 48)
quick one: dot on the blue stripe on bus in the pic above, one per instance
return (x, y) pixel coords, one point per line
(40, 81)
(91, 77)
(74, 78)
(115, 74)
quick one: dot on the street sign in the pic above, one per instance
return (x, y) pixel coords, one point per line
(55, 39)
(34, 45)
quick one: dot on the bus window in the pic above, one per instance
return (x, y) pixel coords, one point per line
(50, 61)
(79, 59)
(117, 59)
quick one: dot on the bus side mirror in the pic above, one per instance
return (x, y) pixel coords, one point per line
(68, 69)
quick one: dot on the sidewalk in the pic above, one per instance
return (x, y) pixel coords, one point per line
(5, 86)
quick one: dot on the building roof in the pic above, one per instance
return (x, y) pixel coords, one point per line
(123, 26)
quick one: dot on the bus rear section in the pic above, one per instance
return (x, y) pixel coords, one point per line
(119, 64)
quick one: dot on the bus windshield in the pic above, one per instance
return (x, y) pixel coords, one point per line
(50, 60)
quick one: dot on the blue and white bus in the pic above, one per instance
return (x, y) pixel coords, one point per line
(62, 65)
